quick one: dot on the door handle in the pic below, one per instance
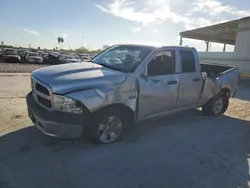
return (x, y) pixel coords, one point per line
(172, 82)
(155, 80)
(196, 79)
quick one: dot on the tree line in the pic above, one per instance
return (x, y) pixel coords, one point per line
(79, 50)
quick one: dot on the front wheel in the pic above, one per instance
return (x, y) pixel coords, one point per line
(215, 106)
(108, 126)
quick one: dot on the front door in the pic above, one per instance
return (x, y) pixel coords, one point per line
(158, 86)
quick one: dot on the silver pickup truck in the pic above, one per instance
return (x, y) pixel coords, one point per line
(125, 84)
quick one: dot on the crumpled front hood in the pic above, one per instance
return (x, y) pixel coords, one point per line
(67, 78)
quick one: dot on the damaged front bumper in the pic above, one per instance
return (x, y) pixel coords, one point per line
(56, 124)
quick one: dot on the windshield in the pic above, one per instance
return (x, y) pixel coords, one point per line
(10, 52)
(33, 54)
(124, 58)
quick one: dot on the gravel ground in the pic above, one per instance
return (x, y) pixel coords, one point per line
(19, 67)
(184, 150)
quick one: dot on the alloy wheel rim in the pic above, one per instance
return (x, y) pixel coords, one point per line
(218, 105)
(109, 129)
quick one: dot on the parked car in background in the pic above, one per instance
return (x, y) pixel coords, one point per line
(41, 53)
(85, 57)
(78, 58)
(125, 84)
(33, 50)
(68, 59)
(44, 54)
(11, 55)
(1, 54)
(23, 54)
(52, 58)
(33, 57)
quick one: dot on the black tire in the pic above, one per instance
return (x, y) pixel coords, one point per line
(225, 104)
(209, 108)
(92, 130)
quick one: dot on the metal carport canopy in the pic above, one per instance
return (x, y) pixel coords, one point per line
(221, 33)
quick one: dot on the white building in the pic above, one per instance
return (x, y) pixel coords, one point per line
(236, 32)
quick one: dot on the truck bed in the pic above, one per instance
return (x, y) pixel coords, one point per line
(214, 69)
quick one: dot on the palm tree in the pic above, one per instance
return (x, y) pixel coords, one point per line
(2, 43)
(59, 40)
(62, 40)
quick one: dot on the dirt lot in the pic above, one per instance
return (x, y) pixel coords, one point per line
(19, 67)
(185, 150)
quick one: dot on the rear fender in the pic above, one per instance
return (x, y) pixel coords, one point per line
(211, 88)
(226, 82)
(230, 80)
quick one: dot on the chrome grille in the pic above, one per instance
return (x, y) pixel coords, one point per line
(42, 89)
(44, 101)
(41, 93)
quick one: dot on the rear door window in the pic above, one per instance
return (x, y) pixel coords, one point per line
(187, 61)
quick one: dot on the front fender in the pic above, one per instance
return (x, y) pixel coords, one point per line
(95, 99)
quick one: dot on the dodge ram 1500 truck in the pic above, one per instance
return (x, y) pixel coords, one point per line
(125, 84)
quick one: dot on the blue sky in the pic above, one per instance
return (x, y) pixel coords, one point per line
(154, 22)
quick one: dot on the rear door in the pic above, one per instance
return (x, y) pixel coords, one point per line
(158, 86)
(190, 79)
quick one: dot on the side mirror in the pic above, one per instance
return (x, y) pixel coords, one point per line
(143, 75)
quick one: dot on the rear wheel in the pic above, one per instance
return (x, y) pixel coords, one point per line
(217, 105)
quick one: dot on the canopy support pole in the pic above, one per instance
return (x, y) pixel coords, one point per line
(224, 47)
(181, 40)
(207, 45)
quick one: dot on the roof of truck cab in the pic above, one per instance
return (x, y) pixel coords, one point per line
(137, 45)
(179, 47)
(157, 47)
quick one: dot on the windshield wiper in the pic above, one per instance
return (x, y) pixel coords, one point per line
(107, 66)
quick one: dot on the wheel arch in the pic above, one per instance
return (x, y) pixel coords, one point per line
(225, 91)
(122, 107)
